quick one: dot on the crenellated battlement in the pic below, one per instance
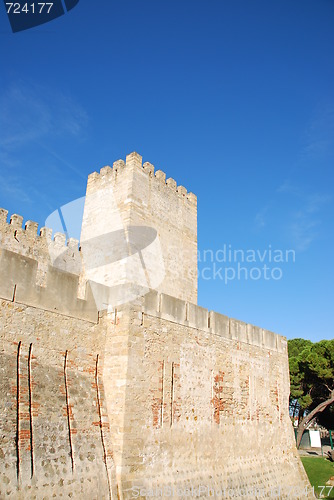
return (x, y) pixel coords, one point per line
(26, 240)
(19, 283)
(30, 230)
(134, 160)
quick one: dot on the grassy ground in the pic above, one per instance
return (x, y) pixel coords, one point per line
(319, 470)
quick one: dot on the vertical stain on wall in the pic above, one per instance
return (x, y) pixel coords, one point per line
(172, 397)
(14, 294)
(100, 421)
(18, 412)
(68, 411)
(176, 393)
(217, 400)
(158, 399)
(162, 393)
(30, 411)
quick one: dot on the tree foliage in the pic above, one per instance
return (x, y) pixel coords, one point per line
(326, 418)
(312, 381)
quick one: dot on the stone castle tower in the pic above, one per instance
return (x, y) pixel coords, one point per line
(114, 382)
(145, 229)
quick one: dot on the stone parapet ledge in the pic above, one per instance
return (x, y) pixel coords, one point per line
(19, 284)
(191, 315)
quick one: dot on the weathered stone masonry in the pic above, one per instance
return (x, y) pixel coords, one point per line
(154, 393)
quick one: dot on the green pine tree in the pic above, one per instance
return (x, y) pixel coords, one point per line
(311, 381)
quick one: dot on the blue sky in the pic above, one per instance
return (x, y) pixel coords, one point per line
(233, 99)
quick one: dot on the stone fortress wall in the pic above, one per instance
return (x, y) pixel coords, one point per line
(139, 398)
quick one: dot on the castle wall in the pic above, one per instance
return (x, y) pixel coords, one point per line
(111, 390)
(159, 393)
(205, 406)
(53, 418)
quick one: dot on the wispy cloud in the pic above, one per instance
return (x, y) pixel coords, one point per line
(305, 222)
(295, 212)
(307, 215)
(63, 161)
(303, 230)
(10, 186)
(261, 218)
(33, 113)
(298, 206)
(315, 202)
(288, 187)
(319, 133)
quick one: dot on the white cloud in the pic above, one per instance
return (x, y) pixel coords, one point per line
(306, 221)
(299, 214)
(10, 186)
(33, 113)
(303, 230)
(261, 218)
(319, 134)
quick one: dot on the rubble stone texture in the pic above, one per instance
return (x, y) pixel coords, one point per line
(152, 397)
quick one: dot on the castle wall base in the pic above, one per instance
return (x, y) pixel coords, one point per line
(140, 403)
